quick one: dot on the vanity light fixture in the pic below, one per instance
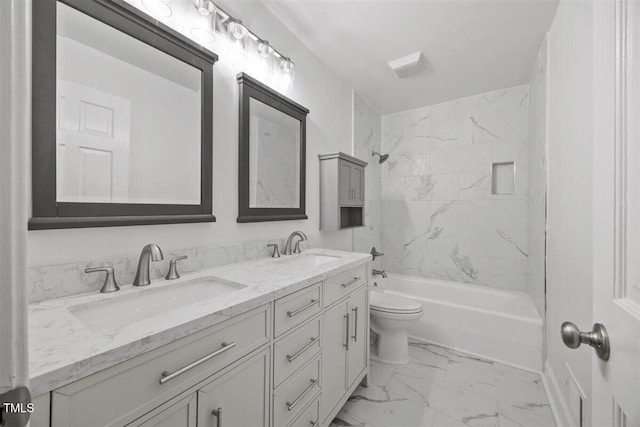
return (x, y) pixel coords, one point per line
(236, 28)
(158, 8)
(205, 7)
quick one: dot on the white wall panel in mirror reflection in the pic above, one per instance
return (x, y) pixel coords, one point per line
(120, 138)
(274, 158)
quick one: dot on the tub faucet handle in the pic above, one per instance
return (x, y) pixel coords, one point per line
(375, 253)
(110, 284)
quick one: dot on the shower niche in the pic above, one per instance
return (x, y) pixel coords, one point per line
(341, 191)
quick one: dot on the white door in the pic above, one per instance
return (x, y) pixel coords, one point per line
(93, 133)
(616, 209)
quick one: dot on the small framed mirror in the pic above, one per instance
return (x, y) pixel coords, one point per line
(271, 154)
(122, 118)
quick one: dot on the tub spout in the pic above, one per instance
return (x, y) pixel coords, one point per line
(379, 273)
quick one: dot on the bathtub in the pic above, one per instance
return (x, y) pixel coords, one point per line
(495, 324)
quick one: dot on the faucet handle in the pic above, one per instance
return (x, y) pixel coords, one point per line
(173, 270)
(276, 250)
(110, 284)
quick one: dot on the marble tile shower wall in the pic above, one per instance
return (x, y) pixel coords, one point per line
(439, 218)
(537, 178)
(366, 137)
(55, 281)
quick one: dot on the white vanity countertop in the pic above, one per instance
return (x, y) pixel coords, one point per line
(63, 350)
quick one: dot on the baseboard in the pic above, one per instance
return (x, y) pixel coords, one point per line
(559, 406)
(481, 356)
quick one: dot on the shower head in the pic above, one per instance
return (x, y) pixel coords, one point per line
(383, 157)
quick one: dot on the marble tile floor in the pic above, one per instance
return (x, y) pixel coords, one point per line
(442, 387)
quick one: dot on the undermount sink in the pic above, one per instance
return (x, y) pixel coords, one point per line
(309, 260)
(123, 310)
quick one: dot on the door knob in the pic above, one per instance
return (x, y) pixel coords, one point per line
(598, 338)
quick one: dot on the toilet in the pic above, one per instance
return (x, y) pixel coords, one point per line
(390, 317)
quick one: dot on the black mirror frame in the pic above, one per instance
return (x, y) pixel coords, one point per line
(252, 88)
(51, 214)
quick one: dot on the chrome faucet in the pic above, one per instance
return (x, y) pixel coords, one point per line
(153, 252)
(379, 273)
(287, 247)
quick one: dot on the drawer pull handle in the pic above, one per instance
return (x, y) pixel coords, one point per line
(293, 404)
(355, 326)
(218, 414)
(168, 376)
(347, 344)
(292, 357)
(301, 309)
(355, 280)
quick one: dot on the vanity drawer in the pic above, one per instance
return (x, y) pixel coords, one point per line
(294, 350)
(290, 399)
(294, 309)
(120, 394)
(310, 416)
(342, 284)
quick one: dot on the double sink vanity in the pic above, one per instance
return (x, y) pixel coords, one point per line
(271, 342)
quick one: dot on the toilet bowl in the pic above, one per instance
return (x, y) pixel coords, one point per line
(390, 317)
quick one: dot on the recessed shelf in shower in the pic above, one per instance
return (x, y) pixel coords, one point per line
(502, 178)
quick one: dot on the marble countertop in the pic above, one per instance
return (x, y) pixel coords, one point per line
(62, 349)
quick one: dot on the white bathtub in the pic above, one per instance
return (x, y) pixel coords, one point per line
(495, 324)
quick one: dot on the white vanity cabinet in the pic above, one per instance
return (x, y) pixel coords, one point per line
(345, 352)
(291, 362)
(239, 397)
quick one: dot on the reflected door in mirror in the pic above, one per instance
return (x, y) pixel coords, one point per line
(128, 118)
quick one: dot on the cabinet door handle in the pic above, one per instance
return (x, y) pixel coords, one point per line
(218, 415)
(293, 404)
(355, 280)
(292, 357)
(347, 344)
(168, 376)
(314, 423)
(355, 326)
(301, 309)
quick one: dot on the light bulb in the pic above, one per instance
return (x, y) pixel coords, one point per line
(203, 31)
(205, 7)
(236, 29)
(158, 8)
(264, 48)
(287, 65)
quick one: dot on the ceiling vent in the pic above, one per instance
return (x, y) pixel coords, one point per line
(409, 65)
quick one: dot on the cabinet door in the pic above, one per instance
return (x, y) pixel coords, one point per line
(238, 397)
(334, 357)
(346, 193)
(178, 414)
(357, 184)
(358, 335)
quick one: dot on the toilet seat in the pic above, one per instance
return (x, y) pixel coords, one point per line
(393, 304)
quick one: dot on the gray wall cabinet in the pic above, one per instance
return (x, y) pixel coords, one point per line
(342, 191)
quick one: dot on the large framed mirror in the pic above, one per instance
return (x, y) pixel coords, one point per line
(272, 157)
(122, 118)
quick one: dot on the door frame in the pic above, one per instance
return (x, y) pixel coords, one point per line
(15, 122)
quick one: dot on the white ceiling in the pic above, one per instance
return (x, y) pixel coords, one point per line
(474, 46)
